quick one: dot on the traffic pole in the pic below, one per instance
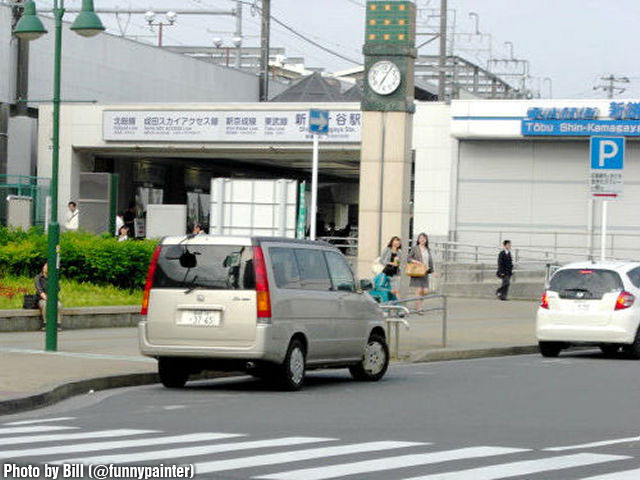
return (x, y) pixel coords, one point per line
(603, 240)
(314, 186)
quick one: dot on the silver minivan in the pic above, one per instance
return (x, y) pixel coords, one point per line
(273, 307)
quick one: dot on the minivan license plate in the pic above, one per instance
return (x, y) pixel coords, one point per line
(200, 318)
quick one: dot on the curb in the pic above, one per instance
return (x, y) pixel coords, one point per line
(443, 355)
(68, 390)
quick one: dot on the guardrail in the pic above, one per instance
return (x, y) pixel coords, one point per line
(396, 314)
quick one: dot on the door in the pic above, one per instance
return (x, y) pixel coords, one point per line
(350, 323)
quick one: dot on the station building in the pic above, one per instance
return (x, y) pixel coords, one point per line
(484, 170)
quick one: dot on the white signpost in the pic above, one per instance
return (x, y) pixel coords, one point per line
(606, 182)
(318, 125)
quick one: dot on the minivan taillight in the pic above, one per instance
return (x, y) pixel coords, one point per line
(544, 303)
(147, 286)
(625, 300)
(262, 286)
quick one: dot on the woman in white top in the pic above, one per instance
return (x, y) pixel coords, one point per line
(420, 253)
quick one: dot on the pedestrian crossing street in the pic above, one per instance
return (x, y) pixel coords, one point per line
(61, 441)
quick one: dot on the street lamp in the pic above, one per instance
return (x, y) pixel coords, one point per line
(150, 17)
(87, 24)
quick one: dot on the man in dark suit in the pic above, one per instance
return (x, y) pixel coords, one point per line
(505, 270)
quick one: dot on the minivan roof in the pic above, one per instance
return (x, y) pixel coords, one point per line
(204, 239)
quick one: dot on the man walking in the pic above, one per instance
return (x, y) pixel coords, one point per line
(72, 217)
(505, 270)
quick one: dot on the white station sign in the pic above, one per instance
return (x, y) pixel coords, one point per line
(224, 126)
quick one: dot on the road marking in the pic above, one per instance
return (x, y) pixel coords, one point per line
(97, 356)
(626, 475)
(97, 446)
(391, 463)
(527, 467)
(44, 420)
(47, 428)
(299, 455)
(61, 437)
(194, 451)
(593, 444)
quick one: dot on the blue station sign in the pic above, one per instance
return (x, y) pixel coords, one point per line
(623, 120)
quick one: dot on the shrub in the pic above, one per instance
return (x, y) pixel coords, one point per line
(84, 257)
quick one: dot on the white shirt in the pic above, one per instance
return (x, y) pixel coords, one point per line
(119, 224)
(72, 220)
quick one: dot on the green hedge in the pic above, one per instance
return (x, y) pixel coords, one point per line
(84, 257)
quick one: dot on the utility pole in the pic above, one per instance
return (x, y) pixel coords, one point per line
(264, 50)
(238, 33)
(443, 51)
(22, 64)
(611, 88)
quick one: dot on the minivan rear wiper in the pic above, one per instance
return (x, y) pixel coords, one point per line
(193, 285)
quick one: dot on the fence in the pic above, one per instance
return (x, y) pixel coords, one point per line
(35, 187)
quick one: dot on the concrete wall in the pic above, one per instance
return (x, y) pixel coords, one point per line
(433, 147)
(7, 70)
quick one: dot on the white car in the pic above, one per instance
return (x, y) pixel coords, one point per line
(591, 303)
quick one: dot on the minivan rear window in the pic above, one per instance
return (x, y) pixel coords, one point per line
(585, 283)
(212, 267)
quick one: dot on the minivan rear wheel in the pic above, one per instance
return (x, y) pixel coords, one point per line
(292, 370)
(172, 372)
(550, 349)
(375, 360)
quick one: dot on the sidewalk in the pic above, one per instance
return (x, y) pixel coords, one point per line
(94, 353)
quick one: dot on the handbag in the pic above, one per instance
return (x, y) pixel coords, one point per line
(30, 301)
(416, 269)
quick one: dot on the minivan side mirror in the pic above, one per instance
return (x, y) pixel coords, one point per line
(365, 284)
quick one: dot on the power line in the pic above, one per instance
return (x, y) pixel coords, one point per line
(610, 87)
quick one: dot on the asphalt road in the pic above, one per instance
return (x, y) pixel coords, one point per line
(575, 417)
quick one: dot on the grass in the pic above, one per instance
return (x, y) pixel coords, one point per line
(72, 293)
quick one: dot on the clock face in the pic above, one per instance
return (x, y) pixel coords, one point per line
(384, 77)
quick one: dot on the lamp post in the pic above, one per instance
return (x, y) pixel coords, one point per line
(87, 24)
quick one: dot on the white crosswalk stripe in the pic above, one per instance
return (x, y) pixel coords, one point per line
(194, 451)
(62, 437)
(603, 443)
(625, 475)
(392, 463)
(15, 430)
(303, 457)
(43, 420)
(527, 467)
(299, 455)
(97, 446)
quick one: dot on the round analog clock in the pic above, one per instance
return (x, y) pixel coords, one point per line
(384, 77)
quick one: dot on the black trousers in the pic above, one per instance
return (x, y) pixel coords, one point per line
(503, 291)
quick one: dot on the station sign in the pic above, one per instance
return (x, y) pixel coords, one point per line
(606, 162)
(623, 120)
(343, 126)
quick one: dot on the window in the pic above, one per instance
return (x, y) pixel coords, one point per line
(285, 268)
(340, 272)
(313, 269)
(585, 284)
(634, 276)
(213, 267)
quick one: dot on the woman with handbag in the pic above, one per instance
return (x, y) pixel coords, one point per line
(420, 265)
(390, 258)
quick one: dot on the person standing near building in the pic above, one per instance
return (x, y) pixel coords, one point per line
(72, 217)
(390, 258)
(129, 218)
(119, 223)
(421, 253)
(41, 290)
(505, 270)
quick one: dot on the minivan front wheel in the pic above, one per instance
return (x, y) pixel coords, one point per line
(173, 374)
(293, 368)
(375, 361)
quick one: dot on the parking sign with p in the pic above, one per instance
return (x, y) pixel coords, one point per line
(607, 153)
